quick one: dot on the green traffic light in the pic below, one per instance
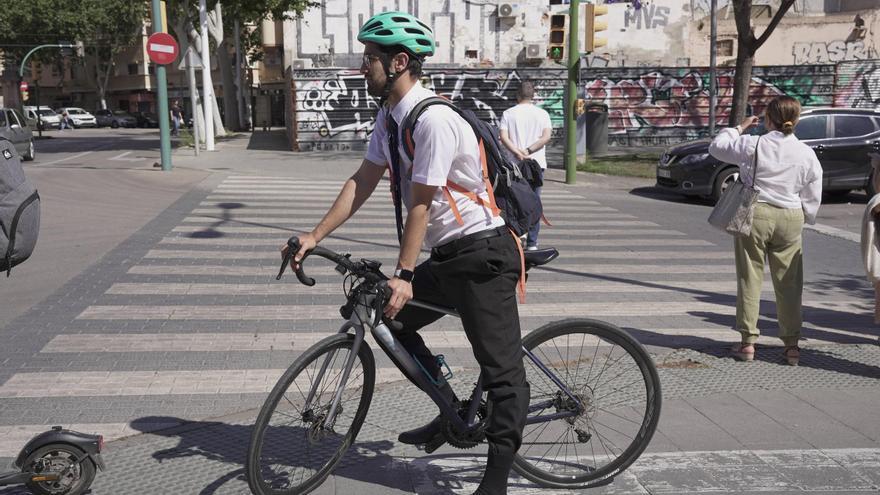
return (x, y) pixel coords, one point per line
(556, 53)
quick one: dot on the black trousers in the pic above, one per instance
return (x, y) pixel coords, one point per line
(478, 279)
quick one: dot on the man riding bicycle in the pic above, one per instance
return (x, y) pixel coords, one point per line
(474, 265)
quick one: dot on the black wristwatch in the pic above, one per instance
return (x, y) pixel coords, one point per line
(405, 275)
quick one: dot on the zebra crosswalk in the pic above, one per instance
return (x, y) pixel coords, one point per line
(199, 317)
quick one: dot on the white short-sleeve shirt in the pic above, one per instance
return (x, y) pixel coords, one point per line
(525, 123)
(445, 149)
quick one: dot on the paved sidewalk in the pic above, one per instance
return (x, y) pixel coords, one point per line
(180, 303)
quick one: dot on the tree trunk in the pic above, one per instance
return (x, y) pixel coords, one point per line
(222, 55)
(239, 87)
(218, 122)
(742, 81)
(185, 45)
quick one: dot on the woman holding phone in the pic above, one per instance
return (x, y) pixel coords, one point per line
(788, 178)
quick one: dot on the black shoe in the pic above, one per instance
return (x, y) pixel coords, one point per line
(422, 434)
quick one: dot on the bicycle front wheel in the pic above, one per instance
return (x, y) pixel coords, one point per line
(615, 382)
(293, 447)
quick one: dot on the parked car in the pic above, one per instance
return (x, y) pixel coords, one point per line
(841, 137)
(115, 119)
(146, 119)
(14, 127)
(47, 116)
(79, 117)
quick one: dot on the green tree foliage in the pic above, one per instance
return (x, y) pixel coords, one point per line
(100, 24)
(104, 27)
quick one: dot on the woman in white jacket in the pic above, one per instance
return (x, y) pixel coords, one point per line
(788, 177)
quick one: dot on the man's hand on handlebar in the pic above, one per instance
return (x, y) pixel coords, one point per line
(307, 242)
(401, 293)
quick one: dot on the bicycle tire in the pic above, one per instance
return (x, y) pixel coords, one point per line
(592, 475)
(302, 437)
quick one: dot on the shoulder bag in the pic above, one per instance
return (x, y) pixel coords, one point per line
(735, 209)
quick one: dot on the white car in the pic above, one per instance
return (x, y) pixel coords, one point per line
(79, 117)
(48, 117)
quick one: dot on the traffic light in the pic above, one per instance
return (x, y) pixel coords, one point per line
(25, 95)
(593, 24)
(556, 47)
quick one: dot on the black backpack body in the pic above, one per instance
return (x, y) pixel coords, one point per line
(19, 210)
(515, 198)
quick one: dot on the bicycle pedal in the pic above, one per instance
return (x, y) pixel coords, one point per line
(435, 443)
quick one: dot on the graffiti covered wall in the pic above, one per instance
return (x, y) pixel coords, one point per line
(858, 84)
(334, 110)
(647, 106)
(659, 106)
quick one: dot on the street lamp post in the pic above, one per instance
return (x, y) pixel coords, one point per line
(37, 83)
(713, 85)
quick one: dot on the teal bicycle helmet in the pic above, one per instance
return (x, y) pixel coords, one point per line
(399, 29)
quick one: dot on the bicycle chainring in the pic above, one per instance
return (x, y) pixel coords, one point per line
(466, 440)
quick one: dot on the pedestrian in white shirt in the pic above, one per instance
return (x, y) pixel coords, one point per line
(525, 130)
(788, 177)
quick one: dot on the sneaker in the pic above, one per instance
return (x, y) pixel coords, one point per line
(531, 248)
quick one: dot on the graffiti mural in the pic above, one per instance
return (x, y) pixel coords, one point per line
(334, 111)
(821, 52)
(647, 17)
(647, 106)
(658, 106)
(858, 85)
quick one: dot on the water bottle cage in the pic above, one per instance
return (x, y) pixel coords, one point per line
(441, 363)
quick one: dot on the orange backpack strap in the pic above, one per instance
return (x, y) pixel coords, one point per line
(546, 222)
(521, 285)
(476, 198)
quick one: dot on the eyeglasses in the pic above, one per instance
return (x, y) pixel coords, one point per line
(368, 59)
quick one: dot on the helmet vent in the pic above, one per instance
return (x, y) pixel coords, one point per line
(384, 32)
(414, 31)
(400, 19)
(424, 26)
(423, 42)
(372, 26)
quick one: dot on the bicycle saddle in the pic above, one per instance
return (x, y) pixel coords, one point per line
(540, 257)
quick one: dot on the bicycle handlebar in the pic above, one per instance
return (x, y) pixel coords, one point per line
(369, 271)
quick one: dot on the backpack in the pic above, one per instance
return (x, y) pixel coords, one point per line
(19, 210)
(510, 194)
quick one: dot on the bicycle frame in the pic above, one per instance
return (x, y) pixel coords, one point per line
(363, 317)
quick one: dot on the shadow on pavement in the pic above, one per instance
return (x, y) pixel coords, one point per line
(367, 462)
(859, 324)
(274, 140)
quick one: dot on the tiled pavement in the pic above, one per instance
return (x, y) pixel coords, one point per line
(184, 322)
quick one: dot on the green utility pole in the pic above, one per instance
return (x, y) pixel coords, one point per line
(162, 93)
(571, 94)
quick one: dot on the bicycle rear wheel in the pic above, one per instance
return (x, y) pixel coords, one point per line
(292, 448)
(613, 376)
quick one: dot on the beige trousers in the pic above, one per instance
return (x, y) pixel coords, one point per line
(776, 236)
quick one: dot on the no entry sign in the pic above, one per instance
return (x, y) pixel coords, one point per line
(23, 86)
(162, 48)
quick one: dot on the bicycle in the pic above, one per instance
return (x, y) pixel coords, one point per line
(308, 423)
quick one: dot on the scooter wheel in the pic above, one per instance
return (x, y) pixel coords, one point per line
(60, 459)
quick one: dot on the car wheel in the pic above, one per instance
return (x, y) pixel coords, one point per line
(114, 125)
(724, 180)
(30, 155)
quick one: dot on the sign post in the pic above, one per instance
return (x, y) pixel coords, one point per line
(162, 49)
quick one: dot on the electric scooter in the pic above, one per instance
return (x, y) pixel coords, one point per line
(57, 462)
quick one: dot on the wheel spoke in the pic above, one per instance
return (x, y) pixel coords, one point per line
(613, 371)
(295, 447)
